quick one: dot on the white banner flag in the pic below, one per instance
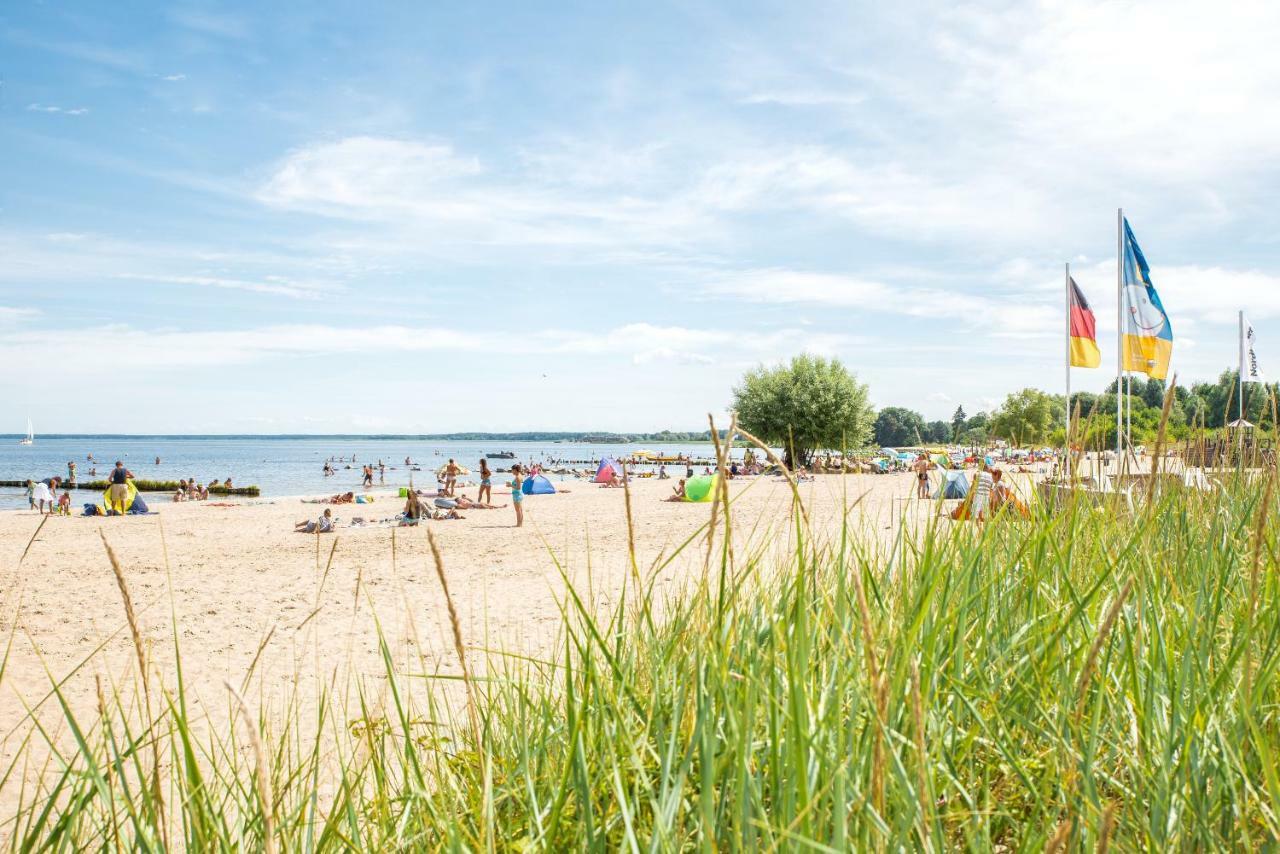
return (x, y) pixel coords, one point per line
(1249, 370)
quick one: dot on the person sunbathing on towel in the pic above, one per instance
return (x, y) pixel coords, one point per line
(323, 525)
(615, 482)
(465, 503)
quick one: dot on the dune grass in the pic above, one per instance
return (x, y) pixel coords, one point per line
(1089, 679)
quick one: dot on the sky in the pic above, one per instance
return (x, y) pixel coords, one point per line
(425, 217)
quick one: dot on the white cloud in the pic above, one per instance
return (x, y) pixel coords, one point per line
(147, 351)
(806, 98)
(370, 176)
(276, 285)
(9, 315)
(49, 108)
(940, 397)
(173, 78)
(998, 317)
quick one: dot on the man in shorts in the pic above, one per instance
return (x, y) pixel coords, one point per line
(921, 468)
(119, 487)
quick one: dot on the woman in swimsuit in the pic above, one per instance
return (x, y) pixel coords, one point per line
(517, 496)
(485, 495)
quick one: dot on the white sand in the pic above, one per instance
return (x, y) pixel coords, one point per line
(239, 574)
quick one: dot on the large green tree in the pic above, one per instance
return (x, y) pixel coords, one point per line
(897, 427)
(1027, 417)
(957, 422)
(812, 403)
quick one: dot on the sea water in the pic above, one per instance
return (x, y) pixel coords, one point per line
(286, 465)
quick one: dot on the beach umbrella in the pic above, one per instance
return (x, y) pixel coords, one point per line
(440, 472)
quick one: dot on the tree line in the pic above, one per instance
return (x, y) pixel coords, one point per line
(814, 403)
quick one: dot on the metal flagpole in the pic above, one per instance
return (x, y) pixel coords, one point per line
(1119, 332)
(1240, 381)
(1067, 342)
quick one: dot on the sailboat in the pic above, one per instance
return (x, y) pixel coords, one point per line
(30, 438)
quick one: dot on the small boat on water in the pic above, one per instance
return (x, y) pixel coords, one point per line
(30, 438)
(501, 455)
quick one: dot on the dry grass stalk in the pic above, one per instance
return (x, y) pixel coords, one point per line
(878, 688)
(1159, 449)
(456, 625)
(1108, 828)
(1058, 842)
(1104, 631)
(922, 755)
(265, 798)
(31, 541)
(140, 651)
(1255, 572)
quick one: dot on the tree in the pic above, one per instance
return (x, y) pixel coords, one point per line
(957, 422)
(938, 431)
(897, 427)
(1026, 417)
(809, 404)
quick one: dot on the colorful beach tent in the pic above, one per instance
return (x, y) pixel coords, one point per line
(608, 468)
(955, 484)
(700, 488)
(941, 459)
(133, 504)
(537, 485)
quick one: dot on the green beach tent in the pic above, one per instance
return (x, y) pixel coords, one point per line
(700, 488)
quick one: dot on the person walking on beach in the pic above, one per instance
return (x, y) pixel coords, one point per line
(119, 493)
(517, 494)
(485, 496)
(451, 477)
(368, 476)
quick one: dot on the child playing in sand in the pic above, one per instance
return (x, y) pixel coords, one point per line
(64, 503)
(517, 494)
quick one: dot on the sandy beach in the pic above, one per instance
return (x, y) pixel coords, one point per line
(244, 590)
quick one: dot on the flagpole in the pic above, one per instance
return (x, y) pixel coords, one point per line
(1119, 333)
(1066, 290)
(1240, 382)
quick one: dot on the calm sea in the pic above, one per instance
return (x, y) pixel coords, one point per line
(280, 465)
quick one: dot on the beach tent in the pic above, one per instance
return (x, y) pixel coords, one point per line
(700, 488)
(941, 459)
(608, 468)
(537, 485)
(880, 463)
(133, 504)
(955, 484)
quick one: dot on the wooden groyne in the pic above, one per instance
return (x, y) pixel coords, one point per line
(147, 486)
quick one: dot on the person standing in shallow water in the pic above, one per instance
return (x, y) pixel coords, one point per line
(517, 494)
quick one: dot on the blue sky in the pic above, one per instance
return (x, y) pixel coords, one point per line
(330, 217)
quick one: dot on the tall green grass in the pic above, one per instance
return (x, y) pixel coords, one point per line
(1088, 679)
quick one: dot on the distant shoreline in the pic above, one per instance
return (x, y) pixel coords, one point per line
(585, 437)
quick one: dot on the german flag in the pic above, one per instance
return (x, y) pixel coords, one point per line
(1084, 334)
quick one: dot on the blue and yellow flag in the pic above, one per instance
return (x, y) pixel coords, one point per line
(1146, 341)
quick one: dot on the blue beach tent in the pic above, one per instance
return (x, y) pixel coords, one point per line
(955, 484)
(537, 485)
